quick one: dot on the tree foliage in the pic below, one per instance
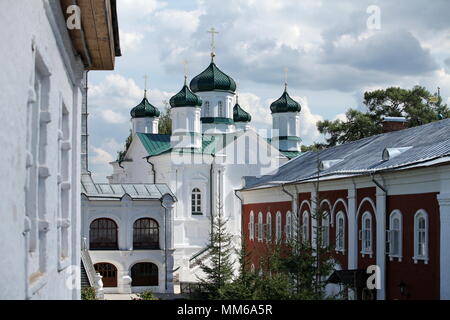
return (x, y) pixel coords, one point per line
(414, 104)
(165, 122)
(121, 154)
(218, 269)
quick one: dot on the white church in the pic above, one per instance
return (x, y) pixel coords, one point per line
(148, 228)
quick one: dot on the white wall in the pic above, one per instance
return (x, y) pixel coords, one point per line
(41, 274)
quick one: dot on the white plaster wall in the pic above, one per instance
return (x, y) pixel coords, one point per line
(125, 213)
(21, 22)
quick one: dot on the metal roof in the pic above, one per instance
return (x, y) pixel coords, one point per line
(427, 143)
(107, 191)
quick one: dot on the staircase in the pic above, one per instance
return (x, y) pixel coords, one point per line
(89, 277)
(84, 277)
(198, 258)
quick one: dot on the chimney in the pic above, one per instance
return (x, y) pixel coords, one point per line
(391, 124)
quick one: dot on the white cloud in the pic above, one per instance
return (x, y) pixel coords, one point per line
(308, 120)
(112, 116)
(130, 41)
(101, 157)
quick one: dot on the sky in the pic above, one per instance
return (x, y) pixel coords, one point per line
(334, 51)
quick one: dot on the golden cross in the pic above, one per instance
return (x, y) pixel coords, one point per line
(186, 66)
(213, 33)
(145, 86)
(285, 78)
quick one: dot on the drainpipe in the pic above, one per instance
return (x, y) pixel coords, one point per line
(242, 215)
(153, 169)
(165, 243)
(383, 243)
(211, 193)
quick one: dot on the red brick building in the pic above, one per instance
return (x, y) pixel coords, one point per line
(388, 204)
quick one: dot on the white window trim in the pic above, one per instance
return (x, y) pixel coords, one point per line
(278, 227)
(260, 227)
(251, 226)
(421, 213)
(338, 216)
(288, 227)
(269, 227)
(326, 219)
(365, 251)
(395, 214)
(305, 236)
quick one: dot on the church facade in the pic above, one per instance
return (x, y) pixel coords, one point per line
(200, 164)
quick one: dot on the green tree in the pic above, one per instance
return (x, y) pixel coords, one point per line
(244, 285)
(165, 122)
(218, 269)
(121, 154)
(416, 105)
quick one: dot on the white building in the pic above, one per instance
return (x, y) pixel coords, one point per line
(43, 64)
(202, 163)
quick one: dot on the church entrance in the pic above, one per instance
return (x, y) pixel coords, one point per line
(144, 274)
(109, 273)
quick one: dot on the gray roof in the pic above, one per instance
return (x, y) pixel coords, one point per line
(115, 191)
(428, 144)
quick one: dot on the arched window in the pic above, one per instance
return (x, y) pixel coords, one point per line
(340, 231)
(421, 236)
(305, 226)
(144, 274)
(278, 227)
(103, 235)
(325, 229)
(206, 109)
(269, 227)
(252, 268)
(109, 273)
(366, 233)
(260, 226)
(196, 202)
(288, 227)
(395, 235)
(145, 234)
(251, 226)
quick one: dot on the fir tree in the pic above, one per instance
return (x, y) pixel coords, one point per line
(218, 269)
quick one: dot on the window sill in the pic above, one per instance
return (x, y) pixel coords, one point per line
(393, 257)
(197, 213)
(417, 259)
(341, 251)
(368, 253)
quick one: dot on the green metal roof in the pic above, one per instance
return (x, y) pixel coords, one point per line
(185, 98)
(291, 154)
(144, 109)
(156, 144)
(285, 104)
(212, 78)
(240, 115)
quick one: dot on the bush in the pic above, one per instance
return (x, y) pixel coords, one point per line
(146, 295)
(88, 294)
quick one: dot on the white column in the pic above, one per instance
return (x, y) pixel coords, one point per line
(444, 209)
(381, 241)
(352, 230)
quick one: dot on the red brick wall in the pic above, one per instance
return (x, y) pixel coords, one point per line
(364, 262)
(422, 280)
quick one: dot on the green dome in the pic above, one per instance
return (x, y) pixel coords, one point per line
(144, 110)
(240, 115)
(185, 98)
(212, 78)
(285, 104)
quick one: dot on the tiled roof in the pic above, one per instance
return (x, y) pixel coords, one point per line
(285, 104)
(185, 98)
(212, 78)
(106, 191)
(426, 143)
(144, 109)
